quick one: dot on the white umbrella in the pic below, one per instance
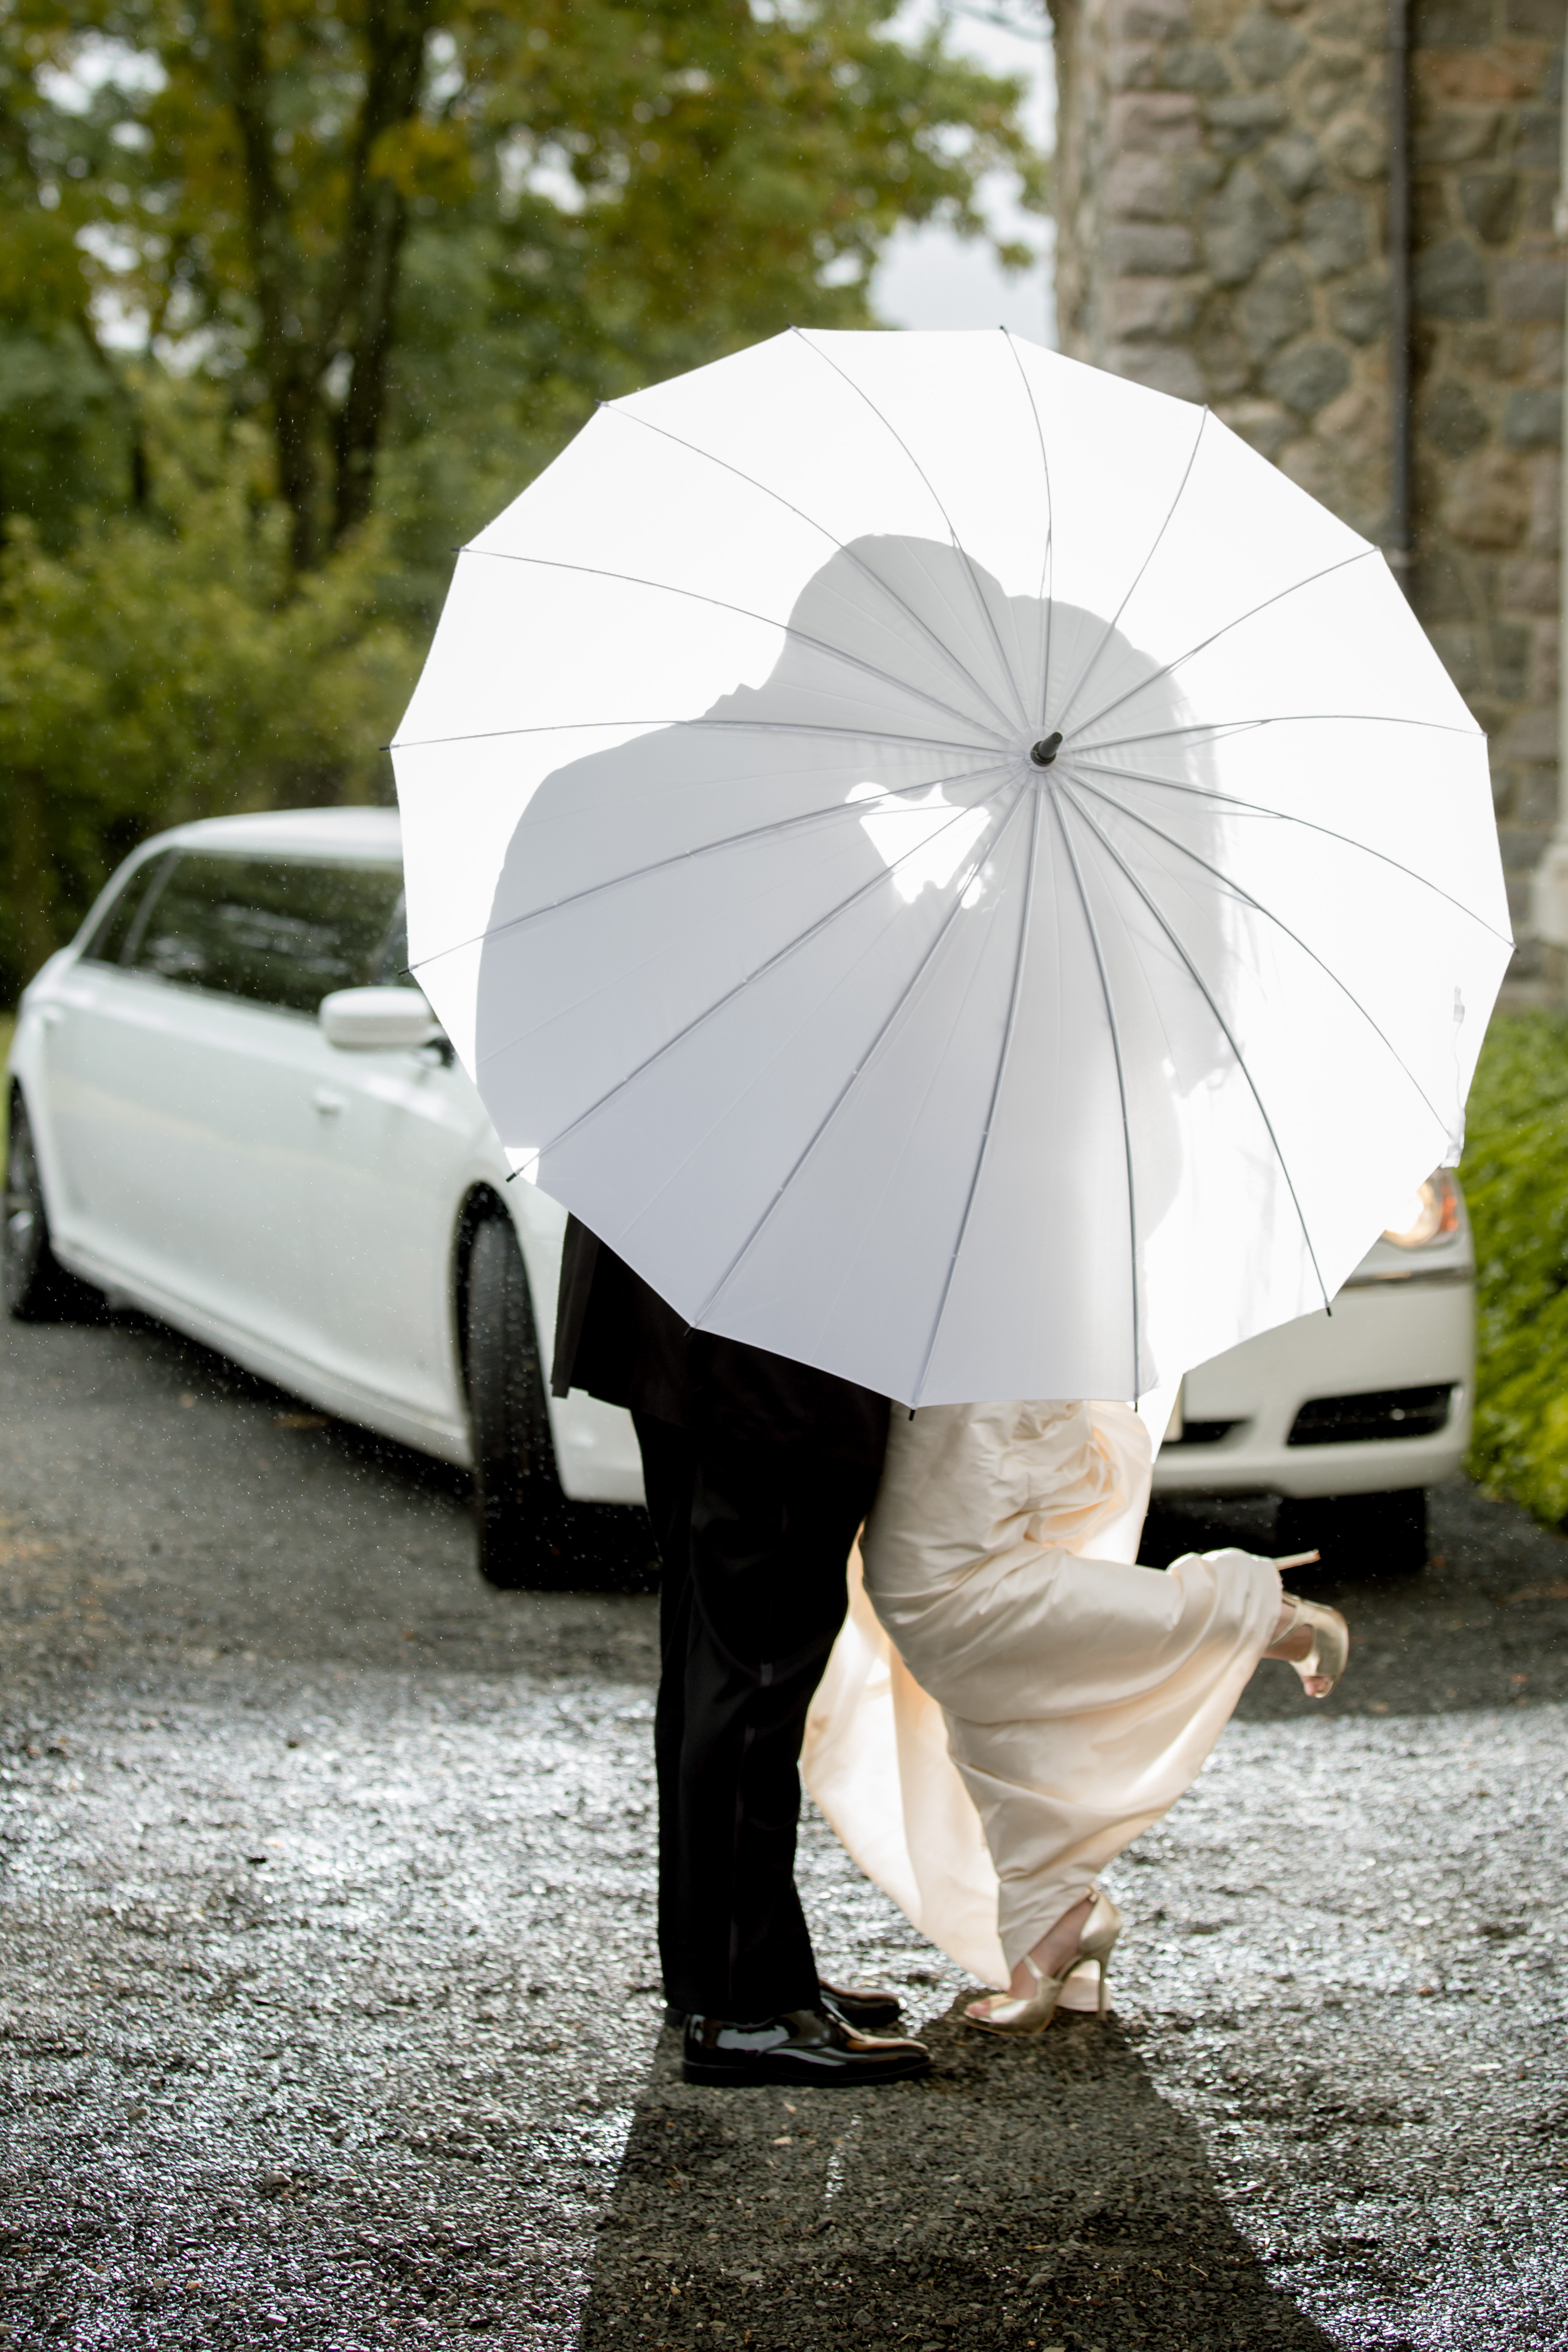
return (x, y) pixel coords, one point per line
(955, 868)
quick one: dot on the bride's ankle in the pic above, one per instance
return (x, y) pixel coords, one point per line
(1290, 1641)
(1055, 1947)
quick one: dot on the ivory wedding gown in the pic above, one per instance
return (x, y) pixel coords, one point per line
(1012, 1701)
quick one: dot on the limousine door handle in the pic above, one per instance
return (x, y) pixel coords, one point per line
(329, 1102)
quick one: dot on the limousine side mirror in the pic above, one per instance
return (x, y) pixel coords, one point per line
(362, 1020)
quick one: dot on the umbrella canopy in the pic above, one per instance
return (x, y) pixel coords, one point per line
(953, 865)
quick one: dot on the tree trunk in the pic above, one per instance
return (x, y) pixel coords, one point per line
(372, 250)
(288, 357)
(359, 426)
(303, 326)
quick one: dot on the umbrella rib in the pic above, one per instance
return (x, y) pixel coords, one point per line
(722, 604)
(1239, 621)
(810, 521)
(770, 963)
(715, 726)
(985, 612)
(1003, 1057)
(1224, 1026)
(1247, 898)
(1109, 630)
(1047, 557)
(861, 1065)
(703, 849)
(1309, 824)
(1121, 1081)
(1276, 718)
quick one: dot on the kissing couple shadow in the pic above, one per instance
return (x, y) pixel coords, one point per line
(1040, 2192)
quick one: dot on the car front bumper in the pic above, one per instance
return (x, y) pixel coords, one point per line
(1393, 1336)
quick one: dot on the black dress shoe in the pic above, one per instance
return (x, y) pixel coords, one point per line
(864, 2007)
(805, 2046)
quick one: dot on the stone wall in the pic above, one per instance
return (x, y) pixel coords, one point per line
(1221, 221)
(1488, 287)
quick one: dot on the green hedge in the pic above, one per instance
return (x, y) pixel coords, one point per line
(1515, 1174)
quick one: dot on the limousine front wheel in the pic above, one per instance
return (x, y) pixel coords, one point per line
(524, 1537)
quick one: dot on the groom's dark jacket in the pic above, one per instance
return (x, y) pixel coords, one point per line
(619, 1341)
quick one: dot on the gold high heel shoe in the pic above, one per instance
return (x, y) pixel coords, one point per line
(1326, 1661)
(1035, 2012)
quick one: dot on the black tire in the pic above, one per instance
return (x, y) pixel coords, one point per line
(524, 1535)
(1359, 1535)
(36, 1286)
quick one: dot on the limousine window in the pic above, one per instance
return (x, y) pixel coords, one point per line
(112, 936)
(392, 964)
(276, 932)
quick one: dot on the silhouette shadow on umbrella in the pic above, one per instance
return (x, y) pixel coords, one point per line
(956, 1006)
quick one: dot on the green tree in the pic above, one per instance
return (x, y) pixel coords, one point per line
(635, 188)
(169, 664)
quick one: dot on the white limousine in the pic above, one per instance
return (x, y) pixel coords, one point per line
(230, 1108)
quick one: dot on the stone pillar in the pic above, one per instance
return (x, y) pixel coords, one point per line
(1489, 353)
(1220, 184)
(1222, 214)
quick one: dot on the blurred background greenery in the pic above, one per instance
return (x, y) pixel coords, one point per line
(294, 294)
(1513, 1173)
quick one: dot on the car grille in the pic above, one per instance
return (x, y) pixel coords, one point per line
(1201, 1433)
(1379, 1413)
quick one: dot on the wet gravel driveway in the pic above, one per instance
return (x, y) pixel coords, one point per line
(327, 2011)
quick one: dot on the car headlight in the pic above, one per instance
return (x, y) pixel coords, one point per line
(1430, 1215)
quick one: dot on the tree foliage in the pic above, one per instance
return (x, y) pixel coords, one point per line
(293, 293)
(650, 184)
(169, 665)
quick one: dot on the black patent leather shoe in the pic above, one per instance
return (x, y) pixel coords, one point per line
(803, 2046)
(866, 2009)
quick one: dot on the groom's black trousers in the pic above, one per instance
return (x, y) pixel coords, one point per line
(754, 1540)
(758, 1470)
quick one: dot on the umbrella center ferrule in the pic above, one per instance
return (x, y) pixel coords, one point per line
(1043, 752)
